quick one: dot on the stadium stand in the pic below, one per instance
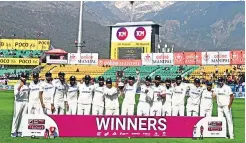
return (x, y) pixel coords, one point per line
(20, 53)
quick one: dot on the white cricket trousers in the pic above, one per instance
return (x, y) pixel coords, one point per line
(84, 109)
(228, 115)
(156, 109)
(178, 110)
(112, 111)
(192, 110)
(20, 109)
(59, 108)
(72, 108)
(143, 108)
(97, 110)
(127, 109)
(47, 110)
(205, 112)
(35, 108)
(167, 109)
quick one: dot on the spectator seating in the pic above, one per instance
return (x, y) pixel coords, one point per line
(20, 53)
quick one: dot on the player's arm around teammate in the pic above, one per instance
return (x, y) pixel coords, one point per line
(167, 106)
(225, 99)
(21, 90)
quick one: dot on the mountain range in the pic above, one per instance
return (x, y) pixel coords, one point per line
(189, 26)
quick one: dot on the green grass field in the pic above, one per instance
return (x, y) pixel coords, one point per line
(6, 112)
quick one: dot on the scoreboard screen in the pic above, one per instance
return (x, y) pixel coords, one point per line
(130, 53)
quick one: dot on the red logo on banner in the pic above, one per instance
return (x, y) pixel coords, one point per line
(147, 58)
(237, 57)
(193, 58)
(179, 58)
(122, 33)
(140, 33)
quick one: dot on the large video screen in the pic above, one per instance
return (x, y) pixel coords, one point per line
(130, 53)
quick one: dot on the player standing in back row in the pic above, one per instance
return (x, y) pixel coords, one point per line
(130, 90)
(46, 94)
(98, 98)
(34, 105)
(225, 99)
(206, 106)
(158, 94)
(72, 96)
(60, 94)
(178, 98)
(86, 91)
(145, 99)
(193, 102)
(167, 106)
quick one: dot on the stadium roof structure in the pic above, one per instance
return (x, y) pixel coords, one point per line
(142, 23)
(56, 51)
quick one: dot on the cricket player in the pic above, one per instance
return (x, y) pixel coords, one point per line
(72, 96)
(158, 94)
(167, 106)
(60, 94)
(206, 106)
(21, 90)
(46, 94)
(111, 95)
(34, 105)
(130, 90)
(178, 98)
(86, 91)
(145, 98)
(193, 102)
(98, 99)
(225, 99)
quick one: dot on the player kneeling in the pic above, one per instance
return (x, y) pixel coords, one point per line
(72, 96)
(145, 99)
(98, 99)
(111, 98)
(206, 106)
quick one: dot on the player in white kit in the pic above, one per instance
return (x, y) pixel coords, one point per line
(46, 94)
(98, 98)
(21, 90)
(158, 94)
(111, 95)
(60, 94)
(34, 105)
(145, 98)
(167, 106)
(178, 98)
(130, 90)
(225, 99)
(206, 106)
(72, 96)
(193, 102)
(86, 91)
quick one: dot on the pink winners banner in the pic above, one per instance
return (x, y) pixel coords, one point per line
(125, 126)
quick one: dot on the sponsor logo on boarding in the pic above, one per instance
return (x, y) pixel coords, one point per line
(178, 57)
(164, 134)
(99, 133)
(206, 57)
(106, 134)
(135, 133)
(140, 33)
(122, 33)
(147, 58)
(114, 134)
(156, 134)
(146, 134)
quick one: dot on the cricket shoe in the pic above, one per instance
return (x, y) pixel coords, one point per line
(19, 134)
(14, 135)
